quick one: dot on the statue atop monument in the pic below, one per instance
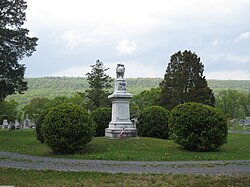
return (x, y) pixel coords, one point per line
(120, 82)
(120, 70)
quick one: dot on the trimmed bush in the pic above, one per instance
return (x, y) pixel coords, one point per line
(153, 122)
(198, 127)
(39, 123)
(67, 128)
(102, 117)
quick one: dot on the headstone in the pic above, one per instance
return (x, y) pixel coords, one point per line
(21, 125)
(242, 121)
(12, 126)
(247, 121)
(17, 124)
(120, 125)
(233, 121)
(5, 124)
(27, 122)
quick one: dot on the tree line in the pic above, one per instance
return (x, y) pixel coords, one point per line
(52, 87)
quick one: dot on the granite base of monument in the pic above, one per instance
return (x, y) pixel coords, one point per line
(120, 133)
(121, 125)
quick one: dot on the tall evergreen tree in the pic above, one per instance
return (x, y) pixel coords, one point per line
(15, 44)
(184, 81)
(99, 83)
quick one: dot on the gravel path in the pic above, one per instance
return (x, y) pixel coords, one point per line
(14, 160)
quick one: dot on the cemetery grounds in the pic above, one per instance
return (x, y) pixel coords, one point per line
(138, 149)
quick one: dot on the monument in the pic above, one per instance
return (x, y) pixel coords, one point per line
(120, 125)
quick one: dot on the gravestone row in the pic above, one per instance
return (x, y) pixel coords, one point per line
(26, 124)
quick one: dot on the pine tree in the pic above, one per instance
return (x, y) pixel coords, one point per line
(99, 83)
(15, 44)
(184, 81)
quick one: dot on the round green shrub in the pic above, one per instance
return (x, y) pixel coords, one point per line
(39, 123)
(102, 117)
(67, 128)
(198, 127)
(153, 122)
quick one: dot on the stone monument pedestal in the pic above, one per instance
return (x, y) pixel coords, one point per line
(120, 125)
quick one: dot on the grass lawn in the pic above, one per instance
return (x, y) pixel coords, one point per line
(238, 127)
(143, 149)
(25, 178)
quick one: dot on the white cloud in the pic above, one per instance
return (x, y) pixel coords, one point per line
(132, 69)
(73, 72)
(218, 42)
(229, 75)
(215, 42)
(242, 36)
(74, 39)
(136, 69)
(237, 59)
(126, 47)
(117, 17)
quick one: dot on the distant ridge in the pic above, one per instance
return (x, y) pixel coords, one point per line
(67, 86)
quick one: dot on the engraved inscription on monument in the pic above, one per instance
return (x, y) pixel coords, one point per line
(122, 112)
(121, 85)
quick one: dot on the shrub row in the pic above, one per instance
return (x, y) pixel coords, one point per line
(197, 127)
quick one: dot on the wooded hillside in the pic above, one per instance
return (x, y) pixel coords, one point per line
(67, 86)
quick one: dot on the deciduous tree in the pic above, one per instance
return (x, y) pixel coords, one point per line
(245, 103)
(8, 110)
(35, 107)
(147, 98)
(233, 103)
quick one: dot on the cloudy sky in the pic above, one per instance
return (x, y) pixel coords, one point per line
(141, 34)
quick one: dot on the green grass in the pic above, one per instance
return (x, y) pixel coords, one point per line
(238, 127)
(25, 178)
(143, 149)
(22, 142)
